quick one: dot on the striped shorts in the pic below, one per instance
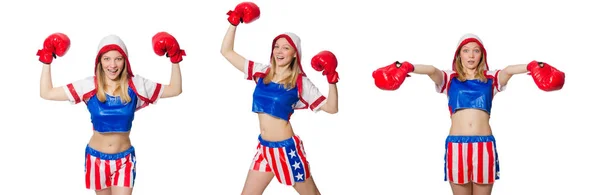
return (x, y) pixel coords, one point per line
(471, 159)
(106, 170)
(286, 159)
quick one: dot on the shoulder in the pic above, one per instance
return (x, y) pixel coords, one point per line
(304, 82)
(85, 82)
(492, 73)
(449, 74)
(137, 77)
(89, 79)
(257, 66)
(305, 78)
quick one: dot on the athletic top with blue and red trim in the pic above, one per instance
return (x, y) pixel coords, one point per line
(113, 115)
(473, 93)
(275, 100)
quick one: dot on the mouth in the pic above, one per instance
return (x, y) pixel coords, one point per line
(112, 72)
(471, 62)
(279, 58)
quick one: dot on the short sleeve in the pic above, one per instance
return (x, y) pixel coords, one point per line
(147, 90)
(447, 76)
(79, 90)
(495, 74)
(310, 96)
(252, 70)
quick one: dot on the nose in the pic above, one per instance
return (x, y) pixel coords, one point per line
(278, 50)
(112, 63)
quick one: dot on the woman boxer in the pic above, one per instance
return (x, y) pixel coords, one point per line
(471, 160)
(281, 87)
(112, 97)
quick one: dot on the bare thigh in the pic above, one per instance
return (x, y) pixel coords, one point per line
(116, 190)
(471, 189)
(105, 191)
(257, 182)
(307, 187)
(482, 189)
(461, 189)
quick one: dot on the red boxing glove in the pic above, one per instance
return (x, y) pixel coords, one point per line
(245, 12)
(164, 42)
(56, 44)
(390, 77)
(327, 62)
(546, 77)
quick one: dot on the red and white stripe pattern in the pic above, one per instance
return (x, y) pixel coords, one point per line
(104, 173)
(471, 162)
(287, 160)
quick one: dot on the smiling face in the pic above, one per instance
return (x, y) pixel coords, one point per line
(113, 64)
(283, 52)
(470, 56)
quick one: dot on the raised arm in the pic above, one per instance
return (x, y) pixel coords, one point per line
(56, 44)
(47, 90)
(174, 88)
(227, 49)
(164, 43)
(331, 103)
(245, 12)
(327, 62)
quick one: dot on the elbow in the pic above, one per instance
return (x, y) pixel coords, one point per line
(225, 52)
(177, 92)
(44, 96)
(331, 110)
(334, 111)
(171, 91)
(508, 71)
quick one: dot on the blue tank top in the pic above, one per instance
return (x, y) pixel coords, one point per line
(112, 115)
(274, 99)
(470, 94)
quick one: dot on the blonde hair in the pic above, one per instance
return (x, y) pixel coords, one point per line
(479, 74)
(122, 84)
(290, 81)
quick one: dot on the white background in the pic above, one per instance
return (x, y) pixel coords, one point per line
(380, 142)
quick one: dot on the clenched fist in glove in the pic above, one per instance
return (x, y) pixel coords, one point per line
(390, 77)
(327, 62)
(546, 77)
(164, 42)
(56, 44)
(245, 12)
